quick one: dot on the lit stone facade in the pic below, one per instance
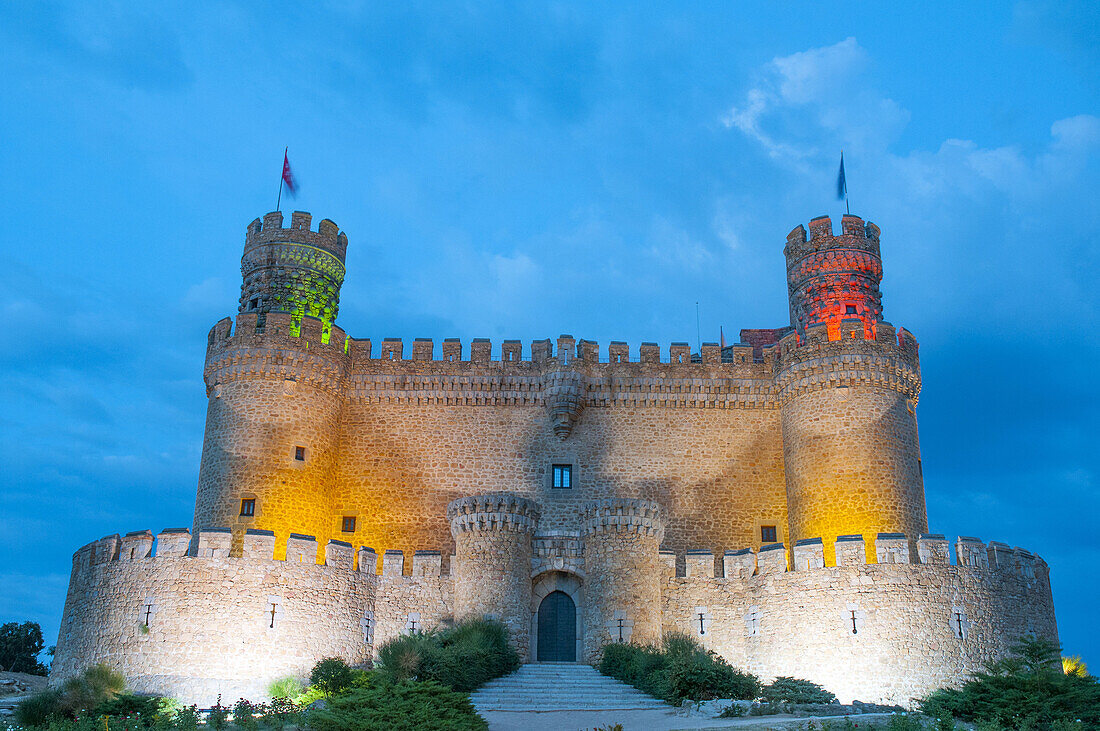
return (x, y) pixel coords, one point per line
(766, 497)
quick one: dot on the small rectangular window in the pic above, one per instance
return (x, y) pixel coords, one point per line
(563, 476)
(347, 525)
(300, 454)
(850, 310)
(253, 303)
(767, 534)
(248, 507)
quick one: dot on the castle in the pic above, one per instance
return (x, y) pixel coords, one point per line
(765, 497)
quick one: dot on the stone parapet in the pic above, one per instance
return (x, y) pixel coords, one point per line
(493, 512)
(623, 514)
(890, 548)
(813, 361)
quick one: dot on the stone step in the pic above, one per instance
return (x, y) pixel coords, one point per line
(560, 687)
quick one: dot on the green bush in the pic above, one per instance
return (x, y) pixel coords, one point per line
(680, 670)
(94, 687)
(404, 706)
(218, 717)
(285, 688)
(40, 709)
(463, 656)
(794, 690)
(331, 675)
(1027, 690)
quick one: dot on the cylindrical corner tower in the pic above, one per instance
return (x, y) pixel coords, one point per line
(622, 564)
(293, 270)
(493, 555)
(275, 388)
(848, 385)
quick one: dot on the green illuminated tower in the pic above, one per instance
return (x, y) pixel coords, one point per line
(293, 270)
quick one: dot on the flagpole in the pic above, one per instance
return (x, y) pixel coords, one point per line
(698, 332)
(279, 200)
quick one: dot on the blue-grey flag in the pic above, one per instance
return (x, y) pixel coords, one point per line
(841, 183)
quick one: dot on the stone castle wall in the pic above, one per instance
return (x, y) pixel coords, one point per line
(196, 627)
(918, 627)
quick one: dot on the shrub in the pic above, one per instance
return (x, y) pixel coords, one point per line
(1074, 666)
(40, 709)
(404, 706)
(285, 688)
(794, 690)
(218, 716)
(331, 675)
(127, 704)
(463, 656)
(680, 670)
(245, 712)
(186, 718)
(92, 687)
(1028, 689)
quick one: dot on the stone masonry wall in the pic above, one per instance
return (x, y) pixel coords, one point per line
(918, 627)
(210, 625)
(622, 590)
(264, 403)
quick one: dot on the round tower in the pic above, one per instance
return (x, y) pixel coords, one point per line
(848, 385)
(293, 270)
(492, 571)
(623, 572)
(275, 387)
(833, 278)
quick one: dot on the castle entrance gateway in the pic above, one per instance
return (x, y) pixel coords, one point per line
(557, 628)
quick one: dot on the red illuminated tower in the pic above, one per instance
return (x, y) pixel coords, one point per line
(834, 278)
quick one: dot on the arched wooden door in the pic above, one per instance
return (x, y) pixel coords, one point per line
(557, 639)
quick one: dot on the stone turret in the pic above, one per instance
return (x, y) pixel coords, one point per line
(847, 384)
(492, 566)
(622, 539)
(833, 278)
(293, 270)
(276, 387)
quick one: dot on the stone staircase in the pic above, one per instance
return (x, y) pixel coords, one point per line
(562, 686)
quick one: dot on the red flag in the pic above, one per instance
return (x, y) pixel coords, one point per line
(288, 177)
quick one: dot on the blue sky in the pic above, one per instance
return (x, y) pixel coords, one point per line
(530, 169)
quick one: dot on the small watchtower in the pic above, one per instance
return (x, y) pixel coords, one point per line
(834, 278)
(293, 270)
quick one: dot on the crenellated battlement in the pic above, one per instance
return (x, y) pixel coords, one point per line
(259, 545)
(855, 234)
(645, 517)
(269, 229)
(807, 554)
(816, 360)
(498, 511)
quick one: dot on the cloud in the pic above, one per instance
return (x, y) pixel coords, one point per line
(823, 85)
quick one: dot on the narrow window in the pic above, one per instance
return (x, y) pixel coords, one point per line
(767, 534)
(254, 303)
(348, 524)
(300, 454)
(248, 507)
(850, 310)
(563, 476)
